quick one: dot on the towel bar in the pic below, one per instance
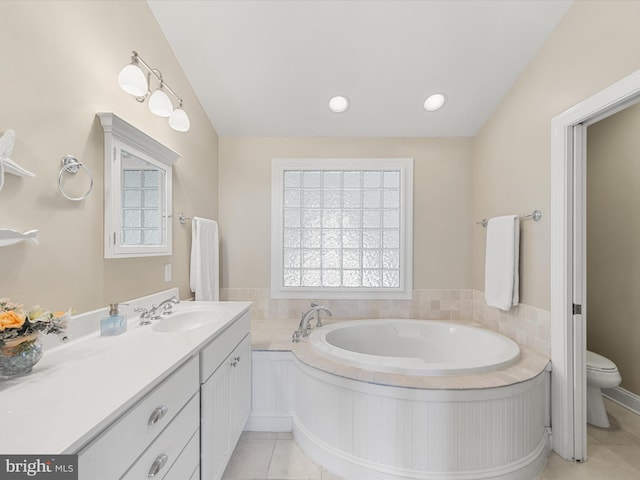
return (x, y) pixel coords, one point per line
(182, 219)
(535, 216)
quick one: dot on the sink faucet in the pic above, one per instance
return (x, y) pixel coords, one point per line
(146, 315)
(303, 328)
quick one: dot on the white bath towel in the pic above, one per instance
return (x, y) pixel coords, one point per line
(501, 277)
(204, 276)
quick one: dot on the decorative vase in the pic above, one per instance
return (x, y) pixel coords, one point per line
(19, 355)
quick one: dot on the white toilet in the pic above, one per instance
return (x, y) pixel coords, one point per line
(601, 373)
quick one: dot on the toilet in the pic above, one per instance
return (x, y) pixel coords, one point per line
(601, 373)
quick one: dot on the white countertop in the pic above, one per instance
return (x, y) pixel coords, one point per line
(79, 388)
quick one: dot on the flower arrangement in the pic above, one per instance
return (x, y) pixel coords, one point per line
(16, 322)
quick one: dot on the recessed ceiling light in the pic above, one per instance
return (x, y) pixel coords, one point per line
(435, 102)
(339, 104)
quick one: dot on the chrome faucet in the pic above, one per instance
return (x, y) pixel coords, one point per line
(146, 315)
(303, 328)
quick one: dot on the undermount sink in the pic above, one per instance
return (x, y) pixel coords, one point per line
(189, 320)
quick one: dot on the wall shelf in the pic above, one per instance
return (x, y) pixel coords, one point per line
(11, 237)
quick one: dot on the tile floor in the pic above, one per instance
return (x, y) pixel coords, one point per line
(613, 454)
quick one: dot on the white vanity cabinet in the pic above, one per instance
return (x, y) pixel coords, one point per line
(225, 369)
(152, 436)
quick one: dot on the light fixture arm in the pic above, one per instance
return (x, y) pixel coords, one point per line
(156, 73)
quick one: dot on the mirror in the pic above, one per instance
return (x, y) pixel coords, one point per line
(137, 191)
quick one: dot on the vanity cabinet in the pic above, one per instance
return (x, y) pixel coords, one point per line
(225, 366)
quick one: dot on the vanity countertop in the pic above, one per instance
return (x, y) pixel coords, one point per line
(79, 388)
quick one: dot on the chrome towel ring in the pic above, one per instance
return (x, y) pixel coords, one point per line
(71, 164)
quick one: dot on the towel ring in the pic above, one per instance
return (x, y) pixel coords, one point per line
(71, 164)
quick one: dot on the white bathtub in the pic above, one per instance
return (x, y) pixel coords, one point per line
(416, 347)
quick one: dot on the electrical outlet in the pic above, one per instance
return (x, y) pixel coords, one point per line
(167, 272)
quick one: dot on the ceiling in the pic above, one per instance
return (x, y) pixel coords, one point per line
(269, 68)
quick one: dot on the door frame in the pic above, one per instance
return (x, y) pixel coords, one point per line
(568, 207)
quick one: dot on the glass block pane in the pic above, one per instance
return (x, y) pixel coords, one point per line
(311, 179)
(292, 178)
(311, 218)
(291, 238)
(291, 217)
(151, 218)
(331, 259)
(151, 198)
(131, 237)
(351, 179)
(331, 218)
(291, 258)
(131, 178)
(310, 278)
(311, 259)
(352, 239)
(351, 278)
(132, 218)
(352, 218)
(391, 279)
(351, 259)
(391, 198)
(371, 259)
(291, 198)
(392, 179)
(390, 259)
(391, 239)
(331, 198)
(152, 237)
(371, 239)
(311, 238)
(371, 199)
(352, 198)
(311, 198)
(371, 278)
(331, 278)
(131, 198)
(331, 179)
(331, 238)
(391, 219)
(372, 179)
(150, 178)
(371, 219)
(291, 278)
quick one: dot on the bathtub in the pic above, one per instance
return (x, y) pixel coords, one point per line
(416, 347)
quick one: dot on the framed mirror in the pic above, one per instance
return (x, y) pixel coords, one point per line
(137, 191)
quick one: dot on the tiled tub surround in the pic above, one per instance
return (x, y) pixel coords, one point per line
(359, 423)
(529, 326)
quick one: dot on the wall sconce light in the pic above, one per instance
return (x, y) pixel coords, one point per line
(132, 79)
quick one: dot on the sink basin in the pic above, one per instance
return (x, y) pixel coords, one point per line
(189, 320)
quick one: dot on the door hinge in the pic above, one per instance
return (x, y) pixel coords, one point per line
(577, 309)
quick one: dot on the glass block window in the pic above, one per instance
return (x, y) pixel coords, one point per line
(342, 228)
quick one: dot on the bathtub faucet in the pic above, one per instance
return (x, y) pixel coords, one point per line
(303, 328)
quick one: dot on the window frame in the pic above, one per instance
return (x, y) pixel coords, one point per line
(404, 166)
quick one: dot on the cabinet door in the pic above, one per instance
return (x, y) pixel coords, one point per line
(240, 388)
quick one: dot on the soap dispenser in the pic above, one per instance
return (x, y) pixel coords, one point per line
(114, 324)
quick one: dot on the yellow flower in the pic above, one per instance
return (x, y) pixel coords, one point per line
(11, 319)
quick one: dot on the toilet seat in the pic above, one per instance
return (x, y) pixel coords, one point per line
(598, 363)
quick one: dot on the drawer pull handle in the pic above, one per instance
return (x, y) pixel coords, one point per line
(158, 463)
(157, 414)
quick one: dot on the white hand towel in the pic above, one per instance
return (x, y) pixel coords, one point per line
(204, 274)
(501, 277)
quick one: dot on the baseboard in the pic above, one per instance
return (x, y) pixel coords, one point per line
(627, 399)
(269, 423)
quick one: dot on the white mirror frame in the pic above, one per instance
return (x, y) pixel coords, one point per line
(118, 134)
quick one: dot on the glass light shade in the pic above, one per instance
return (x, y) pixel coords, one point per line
(132, 80)
(179, 120)
(160, 104)
(435, 102)
(339, 104)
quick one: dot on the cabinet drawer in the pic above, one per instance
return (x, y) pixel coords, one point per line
(168, 446)
(220, 347)
(114, 450)
(188, 461)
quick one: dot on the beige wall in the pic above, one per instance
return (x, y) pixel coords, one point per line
(442, 203)
(613, 229)
(60, 62)
(595, 44)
